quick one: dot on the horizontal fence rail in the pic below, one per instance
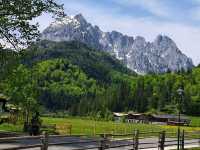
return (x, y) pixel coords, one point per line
(131, 141)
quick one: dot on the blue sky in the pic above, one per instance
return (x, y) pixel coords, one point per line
(178, 19)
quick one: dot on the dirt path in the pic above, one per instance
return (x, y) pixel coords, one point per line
(17, 143)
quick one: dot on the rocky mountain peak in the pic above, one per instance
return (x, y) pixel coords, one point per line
(80, 19)
(164, 44)
(140, 41)
(164, 40)
(139, 55)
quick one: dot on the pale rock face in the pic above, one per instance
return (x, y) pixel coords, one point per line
(138, 54)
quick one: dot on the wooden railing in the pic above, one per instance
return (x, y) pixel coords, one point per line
(132, 141)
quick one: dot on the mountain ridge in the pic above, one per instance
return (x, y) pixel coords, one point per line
(136, 53)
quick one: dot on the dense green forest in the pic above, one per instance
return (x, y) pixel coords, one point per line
(70, 77)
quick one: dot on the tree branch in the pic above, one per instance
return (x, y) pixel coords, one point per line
(9, 40)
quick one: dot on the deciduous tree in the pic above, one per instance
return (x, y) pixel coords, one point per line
(15, 16)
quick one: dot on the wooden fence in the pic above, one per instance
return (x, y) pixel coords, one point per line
(133, 141)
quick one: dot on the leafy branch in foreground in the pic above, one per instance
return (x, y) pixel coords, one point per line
(15, 16)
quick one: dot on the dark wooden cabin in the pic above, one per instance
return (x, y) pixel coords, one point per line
(137, 118)
(149, 118)
(170, 119)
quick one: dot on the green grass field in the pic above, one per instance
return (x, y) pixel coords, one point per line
(90, 127)
(11, 127)
(195, 121)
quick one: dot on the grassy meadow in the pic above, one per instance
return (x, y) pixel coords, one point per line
(91, 127)
(11, 127)
(195, 121)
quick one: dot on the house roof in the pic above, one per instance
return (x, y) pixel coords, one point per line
(136, 114)
(160, 116)
(119, 114)
(127, 114)
(170, 116)
(3, 97)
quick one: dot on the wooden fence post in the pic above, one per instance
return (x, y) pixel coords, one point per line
(45, 141)
(183, 140)
(70, 130)
(104, 142)
(135, 139)
(198, 133)
(161, 144)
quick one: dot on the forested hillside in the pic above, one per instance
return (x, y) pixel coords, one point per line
(69, 76)
(95, 64)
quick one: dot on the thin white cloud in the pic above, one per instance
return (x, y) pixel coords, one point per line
(195, 13)
(156, 7)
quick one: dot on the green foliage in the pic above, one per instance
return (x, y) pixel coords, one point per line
(62, 84)
(165, 96)
(15, 26)
(20, 86)
(96, 64)
(8, 61)
(72, 78)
